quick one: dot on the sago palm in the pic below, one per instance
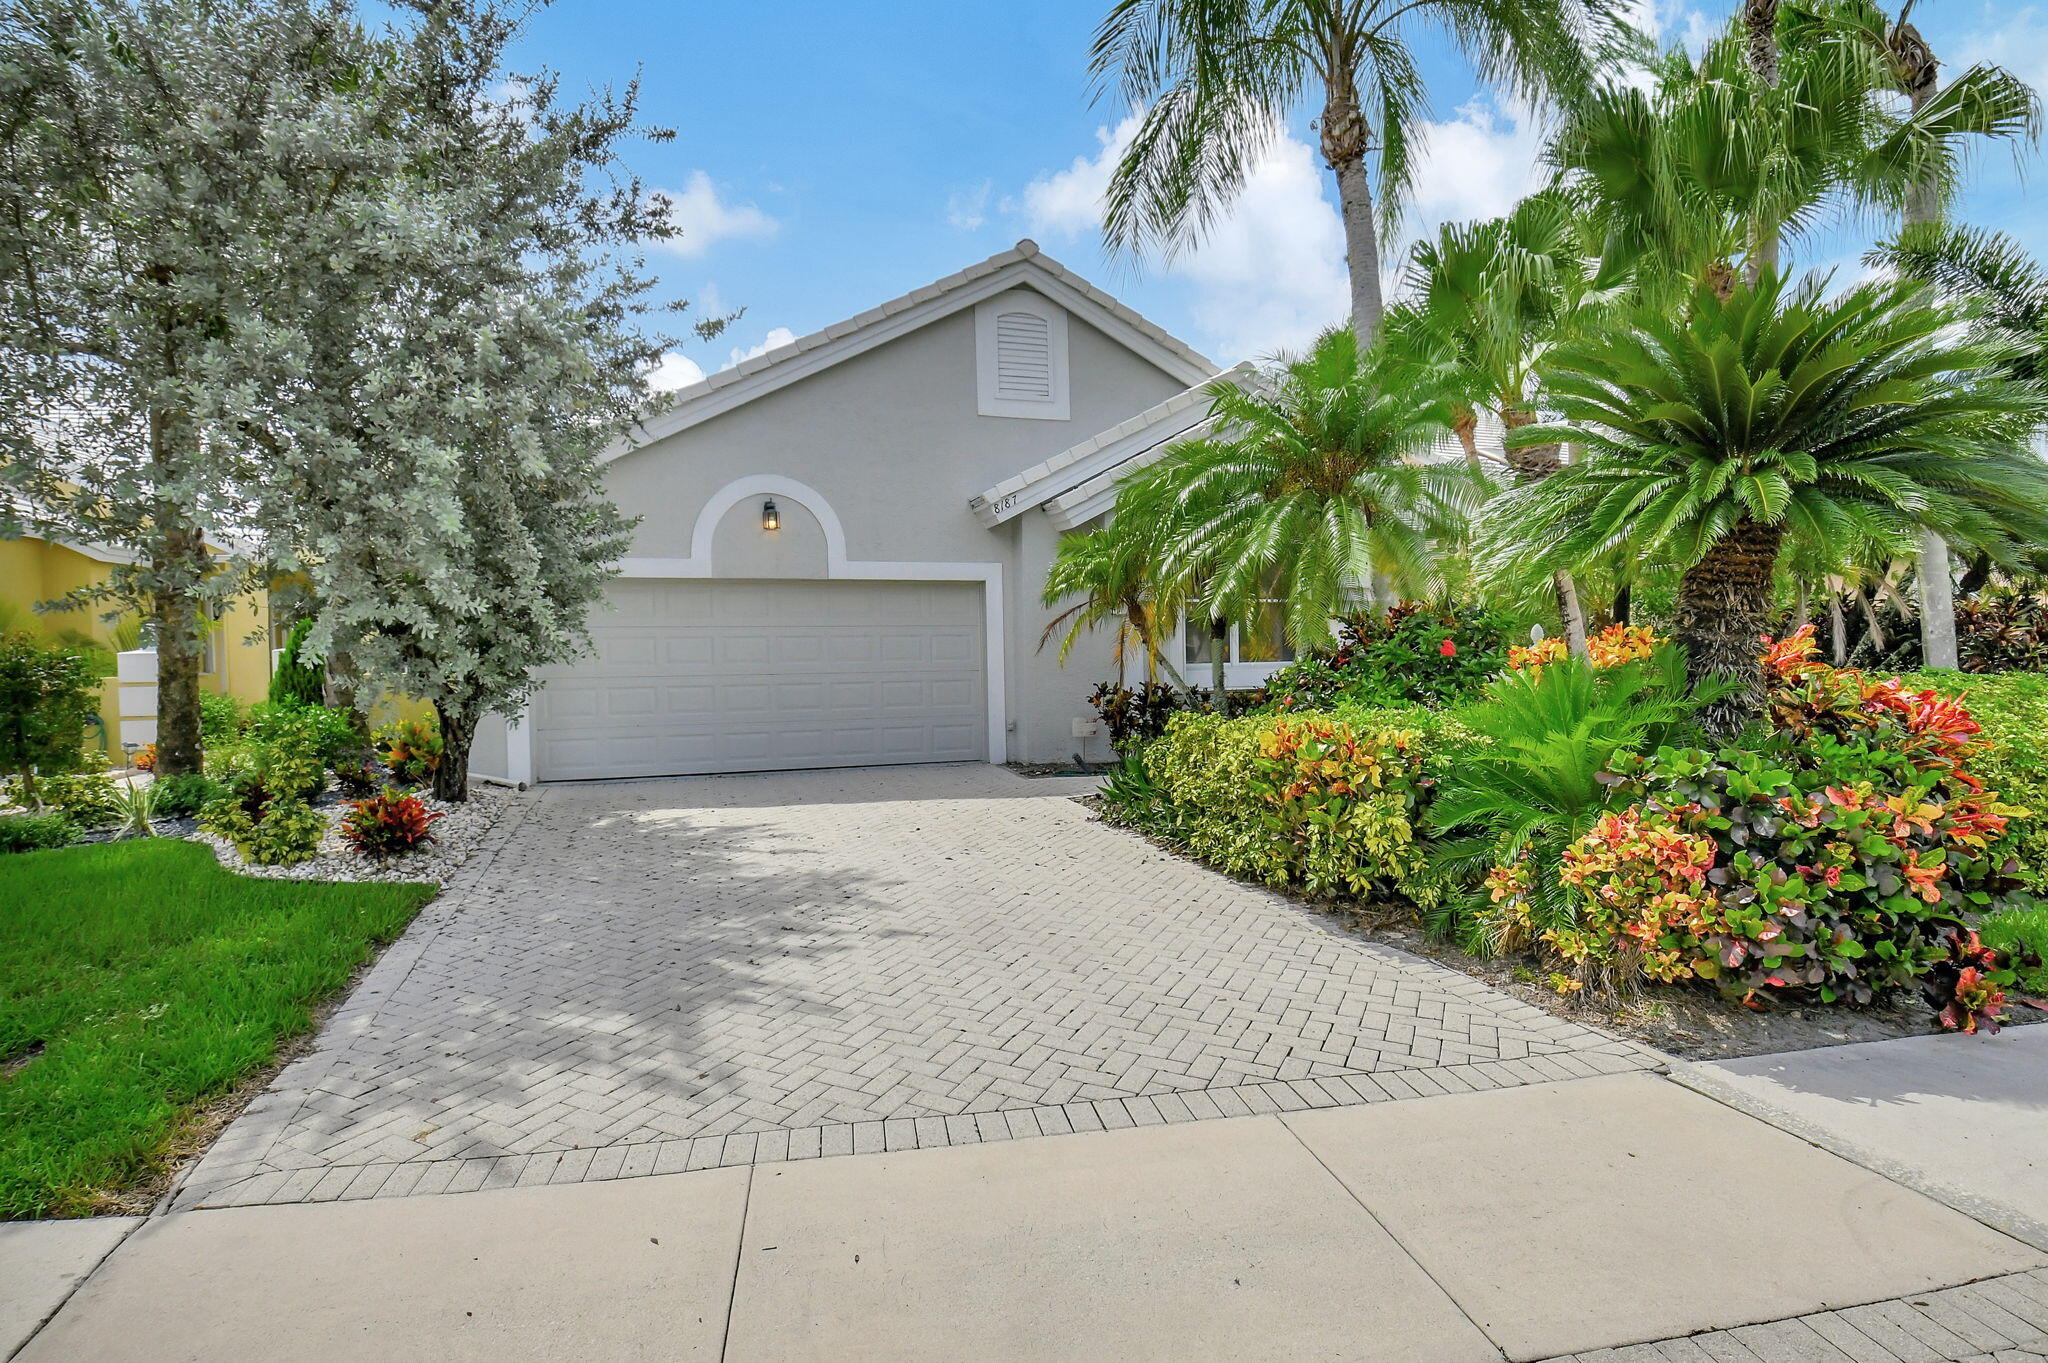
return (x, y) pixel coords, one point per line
(1309, 488)
(1708, 439)
(1219, 78)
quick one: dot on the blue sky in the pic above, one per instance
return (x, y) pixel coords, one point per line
(831, 156)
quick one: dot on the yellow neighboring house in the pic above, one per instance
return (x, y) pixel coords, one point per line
(35, 571)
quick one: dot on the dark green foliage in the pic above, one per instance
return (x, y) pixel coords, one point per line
(296, 682)
(1405, 655)
(184, 795)
(140, 981)
(47, 698)
(34, 832)
(1133, 714)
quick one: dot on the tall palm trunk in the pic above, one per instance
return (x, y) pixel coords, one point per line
(1919, 76)
(1533, 464)
(1345, 136)
(1760, 26)
(1724, 607)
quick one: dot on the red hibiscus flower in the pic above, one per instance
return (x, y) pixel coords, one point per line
(1449, 649)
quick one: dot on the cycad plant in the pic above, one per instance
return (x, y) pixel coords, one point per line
(1534, 783)
(1310, 487)
(1709, 438)
(1219, 78)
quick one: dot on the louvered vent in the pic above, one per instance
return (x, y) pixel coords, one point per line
(1023, 357)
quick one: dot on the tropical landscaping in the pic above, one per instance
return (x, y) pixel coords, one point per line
(1630, 694)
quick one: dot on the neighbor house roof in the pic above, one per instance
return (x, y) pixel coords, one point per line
(1022, 265)
(1123, 448)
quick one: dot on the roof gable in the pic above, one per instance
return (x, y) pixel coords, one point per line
(1023, 265)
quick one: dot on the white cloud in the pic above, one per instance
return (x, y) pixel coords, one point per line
(2015, 38)
(673, 372)
(1477, 165)
(705, 219)
(968, 209)
(1268, 276)
(776, 338)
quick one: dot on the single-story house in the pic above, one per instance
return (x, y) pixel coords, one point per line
(842, 542)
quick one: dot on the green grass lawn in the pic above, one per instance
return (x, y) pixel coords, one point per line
(2022, 933)
(138, 982)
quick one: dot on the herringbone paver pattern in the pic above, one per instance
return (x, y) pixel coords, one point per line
(665, 975)
(2004, 1320)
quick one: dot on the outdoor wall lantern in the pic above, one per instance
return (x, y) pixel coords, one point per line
(770, 520)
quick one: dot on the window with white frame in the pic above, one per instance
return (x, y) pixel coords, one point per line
(1261, 638)
(1020, 357)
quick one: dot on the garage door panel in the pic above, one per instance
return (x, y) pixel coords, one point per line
(706, 675)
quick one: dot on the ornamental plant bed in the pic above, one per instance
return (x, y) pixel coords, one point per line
(144, 993)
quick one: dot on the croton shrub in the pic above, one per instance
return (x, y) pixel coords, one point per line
(1842, 856)
(1326, 802)
(388, 823)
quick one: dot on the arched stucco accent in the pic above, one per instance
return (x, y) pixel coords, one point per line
(766, 485)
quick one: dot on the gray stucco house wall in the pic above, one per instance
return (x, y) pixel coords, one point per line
(916, 458)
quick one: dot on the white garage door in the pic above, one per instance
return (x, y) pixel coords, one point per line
(697, 676)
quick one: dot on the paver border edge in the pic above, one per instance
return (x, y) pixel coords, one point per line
(255, 1184)
(1702, 1079)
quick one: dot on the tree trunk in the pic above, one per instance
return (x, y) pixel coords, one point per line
(1569, 611)
(1918, 75)
(1724, 606)
(1345, 136)
(1838, 625)
(1466, 426)
(1624, 604)
(1760, 27)
(1975, 576)
(339, 688)
(179, 566)
(1937, 605)
(451, 778)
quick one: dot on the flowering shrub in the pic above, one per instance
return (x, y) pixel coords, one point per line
(388, 823)
(1611, 647)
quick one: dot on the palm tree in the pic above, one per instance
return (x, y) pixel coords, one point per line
(1984, 101)
(1308, 487)
(1218, 79)
(1487, 301)
(1111, 569)
(1775, 411)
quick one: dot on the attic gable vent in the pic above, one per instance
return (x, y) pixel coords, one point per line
(1021, 357)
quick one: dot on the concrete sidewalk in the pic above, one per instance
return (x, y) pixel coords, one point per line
(1522, 1223)
(1961, 1118)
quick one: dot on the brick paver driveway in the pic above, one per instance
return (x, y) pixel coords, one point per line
(660, 975)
